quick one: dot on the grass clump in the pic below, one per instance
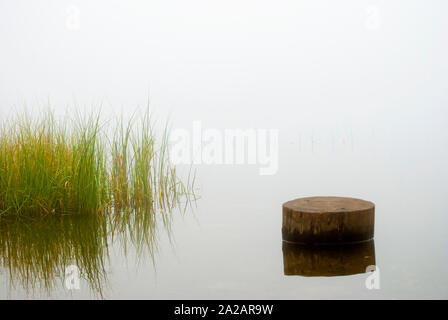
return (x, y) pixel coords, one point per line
(47, 168)
(50, 166)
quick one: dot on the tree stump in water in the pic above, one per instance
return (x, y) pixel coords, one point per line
(328, 220)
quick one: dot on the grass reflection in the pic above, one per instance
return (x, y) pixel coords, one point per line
(36, 250)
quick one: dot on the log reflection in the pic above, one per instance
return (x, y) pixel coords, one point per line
(327, 261)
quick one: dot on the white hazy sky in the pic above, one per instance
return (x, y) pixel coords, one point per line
(210, 59)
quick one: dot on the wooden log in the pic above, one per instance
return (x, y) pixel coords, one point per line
(327, 261)
(328, 220)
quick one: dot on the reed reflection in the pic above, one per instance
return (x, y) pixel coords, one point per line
(36, 250)
(327, 261)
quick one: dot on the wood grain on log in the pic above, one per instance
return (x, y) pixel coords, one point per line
(328, 220)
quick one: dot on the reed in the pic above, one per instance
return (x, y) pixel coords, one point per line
(46, 168)
(146, 187)
(50, 166)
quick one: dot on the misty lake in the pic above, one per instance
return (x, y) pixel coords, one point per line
(326, 106)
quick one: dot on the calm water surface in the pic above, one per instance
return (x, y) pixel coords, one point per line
(361, 111)
(230, 245)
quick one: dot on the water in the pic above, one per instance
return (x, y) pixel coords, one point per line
(360, 112)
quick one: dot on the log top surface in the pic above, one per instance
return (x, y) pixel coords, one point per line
(328, 204)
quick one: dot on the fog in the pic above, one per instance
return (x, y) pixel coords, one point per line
(356, 89)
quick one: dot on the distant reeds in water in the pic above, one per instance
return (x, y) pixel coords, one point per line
(50, 166)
